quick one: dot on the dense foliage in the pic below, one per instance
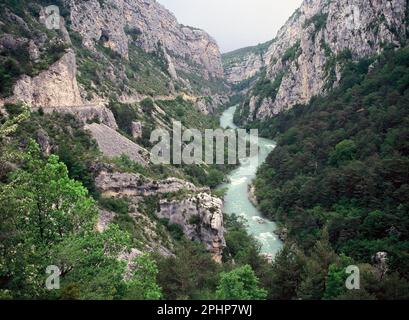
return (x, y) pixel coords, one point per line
(16, 56)
(342, 164)
(192, 274)
(48, 220)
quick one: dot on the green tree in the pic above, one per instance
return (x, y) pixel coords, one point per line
(147, 105)
(337, 276)
(214, 178)
(40, 206)
(343, 152)
(7, 129)
(190, 274)
(143, 285)
(89, 264)
(48, 219)
(240, 284)
(313, 280)
(286, 276)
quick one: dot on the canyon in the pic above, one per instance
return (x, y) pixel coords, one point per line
(306, 57)
(103, 46)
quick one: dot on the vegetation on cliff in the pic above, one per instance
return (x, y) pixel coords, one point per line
(339, 174)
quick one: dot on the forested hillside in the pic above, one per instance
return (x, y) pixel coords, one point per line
(78, 195)
(339, 176)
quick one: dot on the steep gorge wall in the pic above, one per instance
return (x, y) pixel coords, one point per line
(303, 60)
(56, 86)
(199, 214)
(151, 26)
(158, 56)
(244, 64)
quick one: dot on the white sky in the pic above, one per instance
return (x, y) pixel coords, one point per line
(234, 23)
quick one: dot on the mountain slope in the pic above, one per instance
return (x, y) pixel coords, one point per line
(96, 86)
(307, 56)
(102, 49)
(243, 64)
(340, 174)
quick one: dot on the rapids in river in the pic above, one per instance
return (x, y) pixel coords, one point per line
(237, 201)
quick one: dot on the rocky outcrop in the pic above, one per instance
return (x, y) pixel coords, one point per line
(380, 261)
(136, 129)
(104, 219)
(210, 104)
(129, 257)
(304, 58)
(55, 87)
(201, 219)
(246, 63)
(135, 185)
(282, 234)
(192, 208)
(112, 144)
(150, 26)
(88, 114)
(251, 190)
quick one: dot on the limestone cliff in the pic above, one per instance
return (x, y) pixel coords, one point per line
(305, 58)
(116, 184)
(243, 64)
(152, 27)
(103, 50)
(201, 219)
(56, 86)
(198, 213)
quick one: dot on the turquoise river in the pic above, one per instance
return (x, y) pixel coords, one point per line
(237, 201)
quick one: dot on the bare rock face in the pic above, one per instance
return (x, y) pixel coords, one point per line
(104, 219)
(150, 26)
(246, 63)
(201, 219)
(134, 185)
(198, 213)
(55, 87)
(246, 68)
(113, 144)
(136, 129)
(304, 57)
(209, 104)
(129, 258)
(87, 114)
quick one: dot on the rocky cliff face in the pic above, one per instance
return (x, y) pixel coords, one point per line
(197, 212)
(56, 86)
(104, 49)
(134, 185)
(246, 63)
(305, 58)
(150, 26)
(201, 219)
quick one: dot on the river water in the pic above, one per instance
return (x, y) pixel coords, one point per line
(237, 201)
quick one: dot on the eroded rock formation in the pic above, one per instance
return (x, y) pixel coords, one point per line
(305, 58)
(55, 87)
(201, 219)
(197, 212)
(151, 26)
